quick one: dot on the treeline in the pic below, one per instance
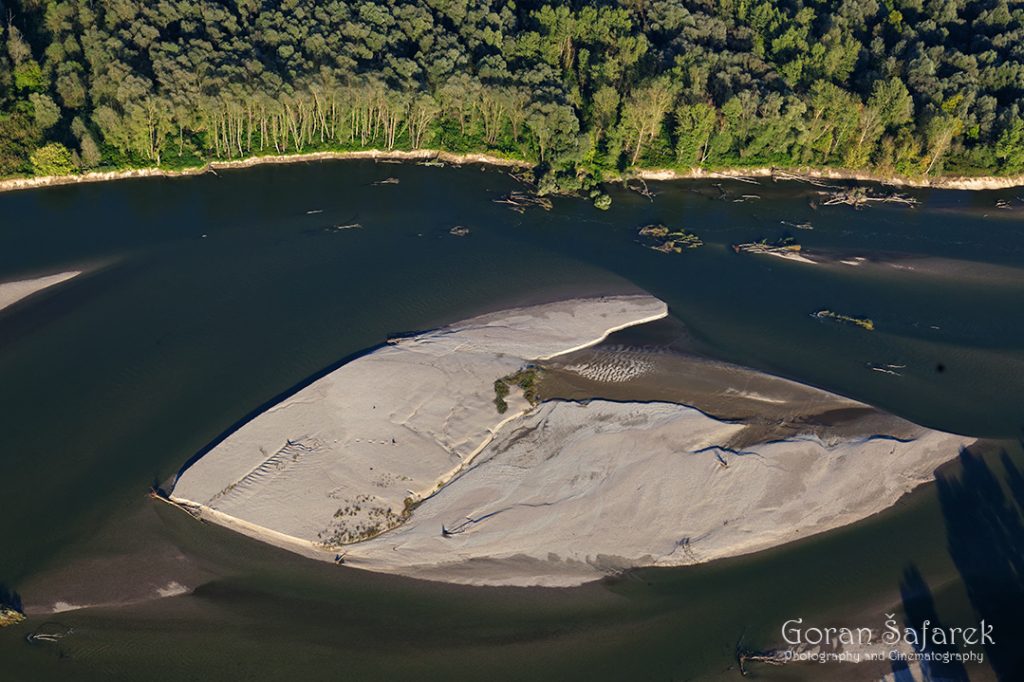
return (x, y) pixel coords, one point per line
(580, 88)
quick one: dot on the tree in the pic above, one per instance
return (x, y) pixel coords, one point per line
(554, 128)
(45, 110)
(939, 134)
(891, 100)
(18, 50)
(90, 152)
(644, 113)
(1010, 147)
(695, 124)
(423, 110)
(52, 159)
(835, 115)
(28, 76)
(604, 110)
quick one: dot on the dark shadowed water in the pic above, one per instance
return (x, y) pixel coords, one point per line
(206, 297)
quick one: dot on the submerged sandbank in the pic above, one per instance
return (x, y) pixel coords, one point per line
(399, 461)
(12, 292)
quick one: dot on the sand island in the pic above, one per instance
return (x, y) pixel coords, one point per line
(401, 460)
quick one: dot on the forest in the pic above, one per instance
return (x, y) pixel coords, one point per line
(584, 90)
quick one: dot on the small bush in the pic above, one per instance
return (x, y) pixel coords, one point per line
(52, 159)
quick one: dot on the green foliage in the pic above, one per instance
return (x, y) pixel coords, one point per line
(602, 201)
(18, 135)
(90, 154)
(500, 393)
(695, 124)
(52, 159)
(29, 76)
(46, 111)
(525, 379)
(578, 88)
(1010, 147)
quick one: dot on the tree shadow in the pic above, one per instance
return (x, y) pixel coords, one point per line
(10, 598)
(919, 611)
(985, 533)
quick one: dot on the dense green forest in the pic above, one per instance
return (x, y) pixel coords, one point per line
(581, 88)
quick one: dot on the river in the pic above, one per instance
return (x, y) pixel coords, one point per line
(205, 297)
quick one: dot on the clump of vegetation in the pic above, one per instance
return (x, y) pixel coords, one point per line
(500, 393)
(52, 159)
(525, 379)
(10, 616)
(659, 231)
(362, 519)
(409, 505)
(601, 200)
(784, 245)
(661, 238)
(862, 322)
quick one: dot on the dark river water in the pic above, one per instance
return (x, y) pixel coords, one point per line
(204, 298)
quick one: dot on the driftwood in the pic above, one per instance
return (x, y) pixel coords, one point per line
(523, 175)
(661, 238)
(745, 655)
(862, 322)
(799, 226)
(859, 197)
(48, 633)
(191, 510)
(783, 175)
(783, 246)
(520, 201)
(642, 189)
(886, 368)
(770, 658)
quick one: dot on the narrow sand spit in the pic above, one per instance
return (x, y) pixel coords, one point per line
(12, 292)
(400, 462)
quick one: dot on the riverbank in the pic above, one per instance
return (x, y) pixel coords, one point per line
(980, 183)
(13, 184)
